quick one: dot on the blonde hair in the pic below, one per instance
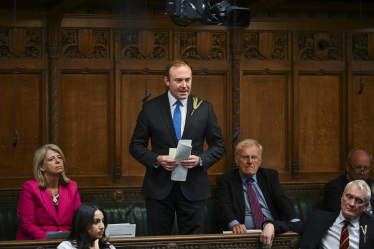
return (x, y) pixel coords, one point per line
(39, 157)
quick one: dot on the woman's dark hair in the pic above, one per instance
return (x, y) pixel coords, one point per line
(82, 221)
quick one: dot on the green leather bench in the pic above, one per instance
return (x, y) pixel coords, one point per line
(9, 221)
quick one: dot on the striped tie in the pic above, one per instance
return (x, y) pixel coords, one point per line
(344, 237)
(177, 120)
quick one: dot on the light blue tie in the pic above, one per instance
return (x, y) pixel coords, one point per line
(177, 120)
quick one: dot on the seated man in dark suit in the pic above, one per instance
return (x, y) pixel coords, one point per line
(358, 167)
(351, 228)
(250, 195)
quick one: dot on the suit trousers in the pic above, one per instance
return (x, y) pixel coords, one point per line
(161, 213)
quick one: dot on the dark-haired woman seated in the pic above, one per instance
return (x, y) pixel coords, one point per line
(48, 202)
(87, 229)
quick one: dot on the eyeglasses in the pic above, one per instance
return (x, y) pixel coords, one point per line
(359, 169)
(246, 158)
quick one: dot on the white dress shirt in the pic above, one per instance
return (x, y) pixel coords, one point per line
(331, 239)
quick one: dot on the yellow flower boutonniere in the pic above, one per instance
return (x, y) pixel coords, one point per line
(195, 104)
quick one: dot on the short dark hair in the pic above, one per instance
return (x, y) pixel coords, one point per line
(82, 221)
(175, 63)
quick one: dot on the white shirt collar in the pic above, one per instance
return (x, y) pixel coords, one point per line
(354, 223)
(172, 100)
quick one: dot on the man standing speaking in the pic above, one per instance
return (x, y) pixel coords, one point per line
(166, 119)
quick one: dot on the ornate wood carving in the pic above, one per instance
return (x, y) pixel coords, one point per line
(117, 171)
(189, 49)
(279, 43)
(53, 47)
(131, 47)
(236, 52)
(360, 47)
(28, 43)
(306, 47)
(70, 48)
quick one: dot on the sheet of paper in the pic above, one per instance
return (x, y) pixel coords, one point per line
(248, 231)
(182, 152)
(120, 230)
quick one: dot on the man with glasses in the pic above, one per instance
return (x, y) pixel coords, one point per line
(358, 167)
(251, 195)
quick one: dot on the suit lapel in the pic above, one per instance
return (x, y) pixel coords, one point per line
(166, 114)
(62, 205)
(239, 194)
(364, 219)
(189, 118)
(266, 192)
(46, 195)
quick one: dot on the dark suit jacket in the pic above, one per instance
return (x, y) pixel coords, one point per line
(334, 191)
(313, 228)
(155, 122)
(230, 197)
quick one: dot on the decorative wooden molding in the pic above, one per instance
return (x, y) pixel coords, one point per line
(307, 50)
(203, 45)
(134, 44)
(28, 43)
(236, 52)
(85, 43)
(274, 46)
(363, 46)
(199, 241)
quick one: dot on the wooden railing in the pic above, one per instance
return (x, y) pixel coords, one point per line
(203, 241)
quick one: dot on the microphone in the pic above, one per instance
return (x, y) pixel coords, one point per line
(361, 87)
(146, 96)
(236, 134)
(15, 138)
(146, 93)
(129, 208)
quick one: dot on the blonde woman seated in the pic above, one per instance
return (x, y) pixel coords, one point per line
(48, 202)
(87, 229)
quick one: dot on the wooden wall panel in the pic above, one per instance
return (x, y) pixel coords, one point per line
(17, 162)
(132, 93)
(83, 129)
(319, 123)
(362, 115)
(263, 110)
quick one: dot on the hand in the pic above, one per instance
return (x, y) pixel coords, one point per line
(95, 245)
(239, 228)
(267, 235)
(192, 162)
(166, 163)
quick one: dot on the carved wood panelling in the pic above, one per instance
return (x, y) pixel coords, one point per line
(307, 52)
(363, 47)
(192, 47)
(158, 43)
(16, 163)
(93, 44)
(319, 123)
(362, 114)
(264, 99)
(83, 129)
(20, 43)
(276, 46)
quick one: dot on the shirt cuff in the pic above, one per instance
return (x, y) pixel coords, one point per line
(156, 166)
(295, 220)
(232, 223)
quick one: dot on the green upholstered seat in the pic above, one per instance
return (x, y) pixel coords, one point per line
(9, 220)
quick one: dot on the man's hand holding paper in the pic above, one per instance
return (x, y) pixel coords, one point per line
(191, 162)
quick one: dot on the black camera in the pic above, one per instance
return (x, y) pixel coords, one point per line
(217, 13)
